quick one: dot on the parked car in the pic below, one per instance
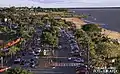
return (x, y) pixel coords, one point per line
(31, 52)
(76, 54)
(22, 62)
(59, 46)
(36, 57)
(75, 50)
(16, 61)
(27, 63)
(78, 60)
(82, 69)
(38, 39)
(32, 65)
(69, 58)
(38, 50)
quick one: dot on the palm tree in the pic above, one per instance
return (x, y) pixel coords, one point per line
(13, 50)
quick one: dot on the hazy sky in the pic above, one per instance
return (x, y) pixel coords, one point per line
(60, 3)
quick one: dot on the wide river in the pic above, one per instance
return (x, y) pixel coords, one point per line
(110, 17)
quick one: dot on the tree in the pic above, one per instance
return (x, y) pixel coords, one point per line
(17, 71)
(13, 50)
(69, 23)
(91, 28)
(12, 9)
(79, 33)
(107, 50)
(50, 39)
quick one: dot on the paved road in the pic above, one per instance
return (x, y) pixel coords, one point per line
(62, 65)
(45, 67)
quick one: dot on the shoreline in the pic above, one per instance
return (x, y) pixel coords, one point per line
(79, 22)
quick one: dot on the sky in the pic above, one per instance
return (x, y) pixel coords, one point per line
(61, 3)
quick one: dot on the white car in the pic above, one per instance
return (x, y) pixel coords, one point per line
(38, 50)
(71, 52)
(69, 58)
(36, 57)
(59, 46)
(78, 60)
(53, 67)
(71, 47)
(17, 60)
(38, 39)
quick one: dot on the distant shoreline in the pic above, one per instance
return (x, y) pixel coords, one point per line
(71, 7)
(96, 8)
(79, 22)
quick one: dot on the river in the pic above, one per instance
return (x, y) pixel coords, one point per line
(110, 17)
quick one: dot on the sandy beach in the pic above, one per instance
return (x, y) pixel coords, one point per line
(111, 34)
(79, 22)
(76, 21)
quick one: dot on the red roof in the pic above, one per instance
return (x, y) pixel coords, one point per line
(12, 43)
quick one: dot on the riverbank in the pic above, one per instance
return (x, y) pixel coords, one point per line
(76, 21)
(79, 22)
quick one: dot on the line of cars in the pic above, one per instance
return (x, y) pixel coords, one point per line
(77, 54)
(29, 58)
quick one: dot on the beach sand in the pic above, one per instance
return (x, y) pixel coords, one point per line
(111, 34)
(78, 22)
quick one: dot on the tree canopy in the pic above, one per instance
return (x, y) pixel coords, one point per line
(91, 28)
(17, 71)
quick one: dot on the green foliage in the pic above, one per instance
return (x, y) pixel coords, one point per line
(79, 33)
(17, 71)
(50, 39)
(101, 48)
(39, 9)
(13, 50)
(107, 50)
(91, 28)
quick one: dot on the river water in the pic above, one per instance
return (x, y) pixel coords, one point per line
(110, 17)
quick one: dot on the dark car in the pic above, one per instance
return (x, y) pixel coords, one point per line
(22, 62)
(32, 64)
(76, 54)
(82, 69)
